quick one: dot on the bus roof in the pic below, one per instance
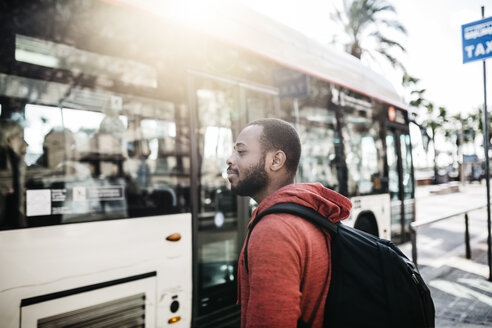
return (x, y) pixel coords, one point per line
(239, 25)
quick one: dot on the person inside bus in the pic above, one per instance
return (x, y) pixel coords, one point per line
(12, 175)
(288, 273)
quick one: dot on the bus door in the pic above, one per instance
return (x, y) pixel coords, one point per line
(400, 182)
(257, 102)
(219, 108)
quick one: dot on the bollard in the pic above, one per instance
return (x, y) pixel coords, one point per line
(467, 238)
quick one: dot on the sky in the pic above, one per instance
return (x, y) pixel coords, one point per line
(433, 43)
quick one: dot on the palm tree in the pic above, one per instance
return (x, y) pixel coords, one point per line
(466, 128)
(362, 21)
(435, 122)
(410, 82)
(416, 102)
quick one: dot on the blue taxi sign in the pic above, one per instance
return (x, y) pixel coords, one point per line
(477, 40)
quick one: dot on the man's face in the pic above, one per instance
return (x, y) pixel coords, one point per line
(246, 165)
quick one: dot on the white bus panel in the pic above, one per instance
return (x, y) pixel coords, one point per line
(90, 263)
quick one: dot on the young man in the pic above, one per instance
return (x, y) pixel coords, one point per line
(288, 258)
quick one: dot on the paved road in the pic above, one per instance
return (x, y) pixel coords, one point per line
(460, 289)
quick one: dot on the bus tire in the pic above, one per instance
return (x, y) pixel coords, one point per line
(368, 224)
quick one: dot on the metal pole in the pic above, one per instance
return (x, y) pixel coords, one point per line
(467, 238)
(486, 147)
(413, 237)
(461, 156)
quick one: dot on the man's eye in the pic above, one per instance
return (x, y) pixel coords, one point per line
(241, 152)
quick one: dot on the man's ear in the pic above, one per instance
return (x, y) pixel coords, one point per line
(277, 160)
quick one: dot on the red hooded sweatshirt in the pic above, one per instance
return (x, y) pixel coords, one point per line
(289, 260)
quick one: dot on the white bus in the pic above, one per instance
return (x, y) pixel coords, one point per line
(118, 213)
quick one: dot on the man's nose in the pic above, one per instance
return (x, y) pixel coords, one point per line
(229, 160)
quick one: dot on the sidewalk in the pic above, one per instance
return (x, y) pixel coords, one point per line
(460, 288)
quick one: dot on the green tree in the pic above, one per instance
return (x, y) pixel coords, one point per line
(477, 118)
(417, 95)
(363, 22)
(435, 121)
(465, 128)
(416, 103)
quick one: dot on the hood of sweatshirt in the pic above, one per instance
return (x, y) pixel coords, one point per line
(327, 202)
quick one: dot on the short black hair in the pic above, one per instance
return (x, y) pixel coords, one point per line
(281, 135)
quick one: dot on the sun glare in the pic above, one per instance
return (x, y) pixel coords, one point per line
(195, 13)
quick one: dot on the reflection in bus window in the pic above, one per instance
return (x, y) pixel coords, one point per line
(125, 158)
(217, 218)
(363, 154)
(392, 159)
(259, 105)
(55, 55)
(12, 175)
(317, 132)
(406, 153)
(41, 120)
(216, 143)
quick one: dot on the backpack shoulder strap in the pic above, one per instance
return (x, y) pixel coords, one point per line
(304, 212)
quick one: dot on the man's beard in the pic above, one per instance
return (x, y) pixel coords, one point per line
(255, 179)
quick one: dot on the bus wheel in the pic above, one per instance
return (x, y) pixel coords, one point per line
(367, 224)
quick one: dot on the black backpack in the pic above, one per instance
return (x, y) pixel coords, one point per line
(373, 284)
